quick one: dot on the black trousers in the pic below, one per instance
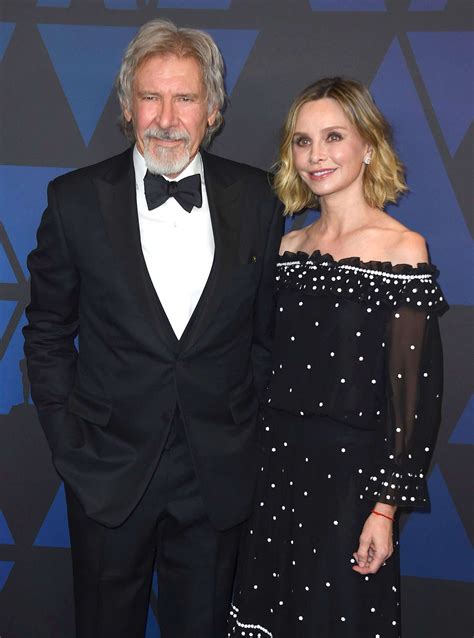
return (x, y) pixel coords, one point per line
(113, 568)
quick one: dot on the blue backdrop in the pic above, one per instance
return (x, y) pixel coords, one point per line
(58, 60)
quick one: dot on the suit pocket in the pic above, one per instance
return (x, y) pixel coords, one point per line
(89, 407)
(245, 406)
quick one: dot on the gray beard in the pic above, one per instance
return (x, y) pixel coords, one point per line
(166, 161)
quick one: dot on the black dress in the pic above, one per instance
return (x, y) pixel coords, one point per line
(352, 414)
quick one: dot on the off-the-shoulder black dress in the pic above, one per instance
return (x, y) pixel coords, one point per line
(352, 414)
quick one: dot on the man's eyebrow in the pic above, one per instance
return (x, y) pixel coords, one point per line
(178, 94)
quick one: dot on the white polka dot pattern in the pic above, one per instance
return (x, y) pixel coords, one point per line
(356, 366)
(359, 367)
(372, 283)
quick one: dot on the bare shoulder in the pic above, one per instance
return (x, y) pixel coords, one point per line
(291, 241)
(408, 247)
(397, 243)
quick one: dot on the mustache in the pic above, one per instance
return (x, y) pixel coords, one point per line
(166, 134)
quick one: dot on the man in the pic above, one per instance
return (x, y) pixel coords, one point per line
(168, 283)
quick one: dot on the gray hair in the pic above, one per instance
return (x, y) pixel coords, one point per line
(163, 37)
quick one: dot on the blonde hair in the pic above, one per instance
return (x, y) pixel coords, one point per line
(163, 37)
(383, 179)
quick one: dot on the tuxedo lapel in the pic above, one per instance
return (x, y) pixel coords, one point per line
(118, 204)
(223, 197)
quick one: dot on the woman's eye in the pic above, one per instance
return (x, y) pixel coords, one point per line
(301, 141)
(334, 137)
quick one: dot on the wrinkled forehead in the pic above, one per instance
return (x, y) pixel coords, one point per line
(165, 65)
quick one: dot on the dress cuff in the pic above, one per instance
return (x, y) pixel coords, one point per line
(394, 487)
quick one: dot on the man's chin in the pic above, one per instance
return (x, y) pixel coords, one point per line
(166, 165)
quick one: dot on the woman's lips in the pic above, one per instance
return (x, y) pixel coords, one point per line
(321, 174)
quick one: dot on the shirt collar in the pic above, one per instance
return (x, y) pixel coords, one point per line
(139, 165)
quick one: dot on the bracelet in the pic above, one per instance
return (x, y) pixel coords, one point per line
(380, 514)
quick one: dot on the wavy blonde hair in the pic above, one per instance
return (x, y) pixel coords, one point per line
(383, 180)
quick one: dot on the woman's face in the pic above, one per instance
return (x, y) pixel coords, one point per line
(328, 151)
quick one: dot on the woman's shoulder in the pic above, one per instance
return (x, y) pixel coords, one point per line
(409, 248)
(291, 242)
(399, 244)
(404, 246)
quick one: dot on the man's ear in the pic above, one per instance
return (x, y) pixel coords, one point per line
(211, 118)
(126, 113)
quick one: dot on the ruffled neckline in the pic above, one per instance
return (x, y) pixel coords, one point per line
(372, 283)
(316, 257)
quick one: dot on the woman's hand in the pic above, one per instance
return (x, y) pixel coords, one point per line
(376, 540)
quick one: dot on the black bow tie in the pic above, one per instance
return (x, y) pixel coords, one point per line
(187, 191)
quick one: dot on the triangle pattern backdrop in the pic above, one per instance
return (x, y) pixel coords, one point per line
(152, 628)
(428, 5)
(133, 4)
(347, 5)
(431, 207)
(168, 4)
(427, 559)
(54, 531)
(235, 46)
(6, 537)
(6, 309)
(5, 569)
(121, 4)
(194, 4)
(463, 433)
(447, 63)
(86, 60)
(63, 4)
(87, 84)
(31, 201)
(23, 193)
(6, 32)
(7, 276)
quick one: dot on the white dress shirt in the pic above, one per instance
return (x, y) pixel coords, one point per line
(178, 246)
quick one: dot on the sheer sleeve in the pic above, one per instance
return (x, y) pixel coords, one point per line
(413, 392)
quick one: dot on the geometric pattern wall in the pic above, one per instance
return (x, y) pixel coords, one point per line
(58, 111)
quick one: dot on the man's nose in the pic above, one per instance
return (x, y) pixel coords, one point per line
(167, 116)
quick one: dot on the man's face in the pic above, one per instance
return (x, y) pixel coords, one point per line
(169, 112)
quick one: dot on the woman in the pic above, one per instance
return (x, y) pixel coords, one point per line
(353, 405)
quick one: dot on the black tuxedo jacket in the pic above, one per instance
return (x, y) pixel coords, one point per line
(107, 405)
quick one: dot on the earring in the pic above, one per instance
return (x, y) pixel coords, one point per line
(367, 160)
